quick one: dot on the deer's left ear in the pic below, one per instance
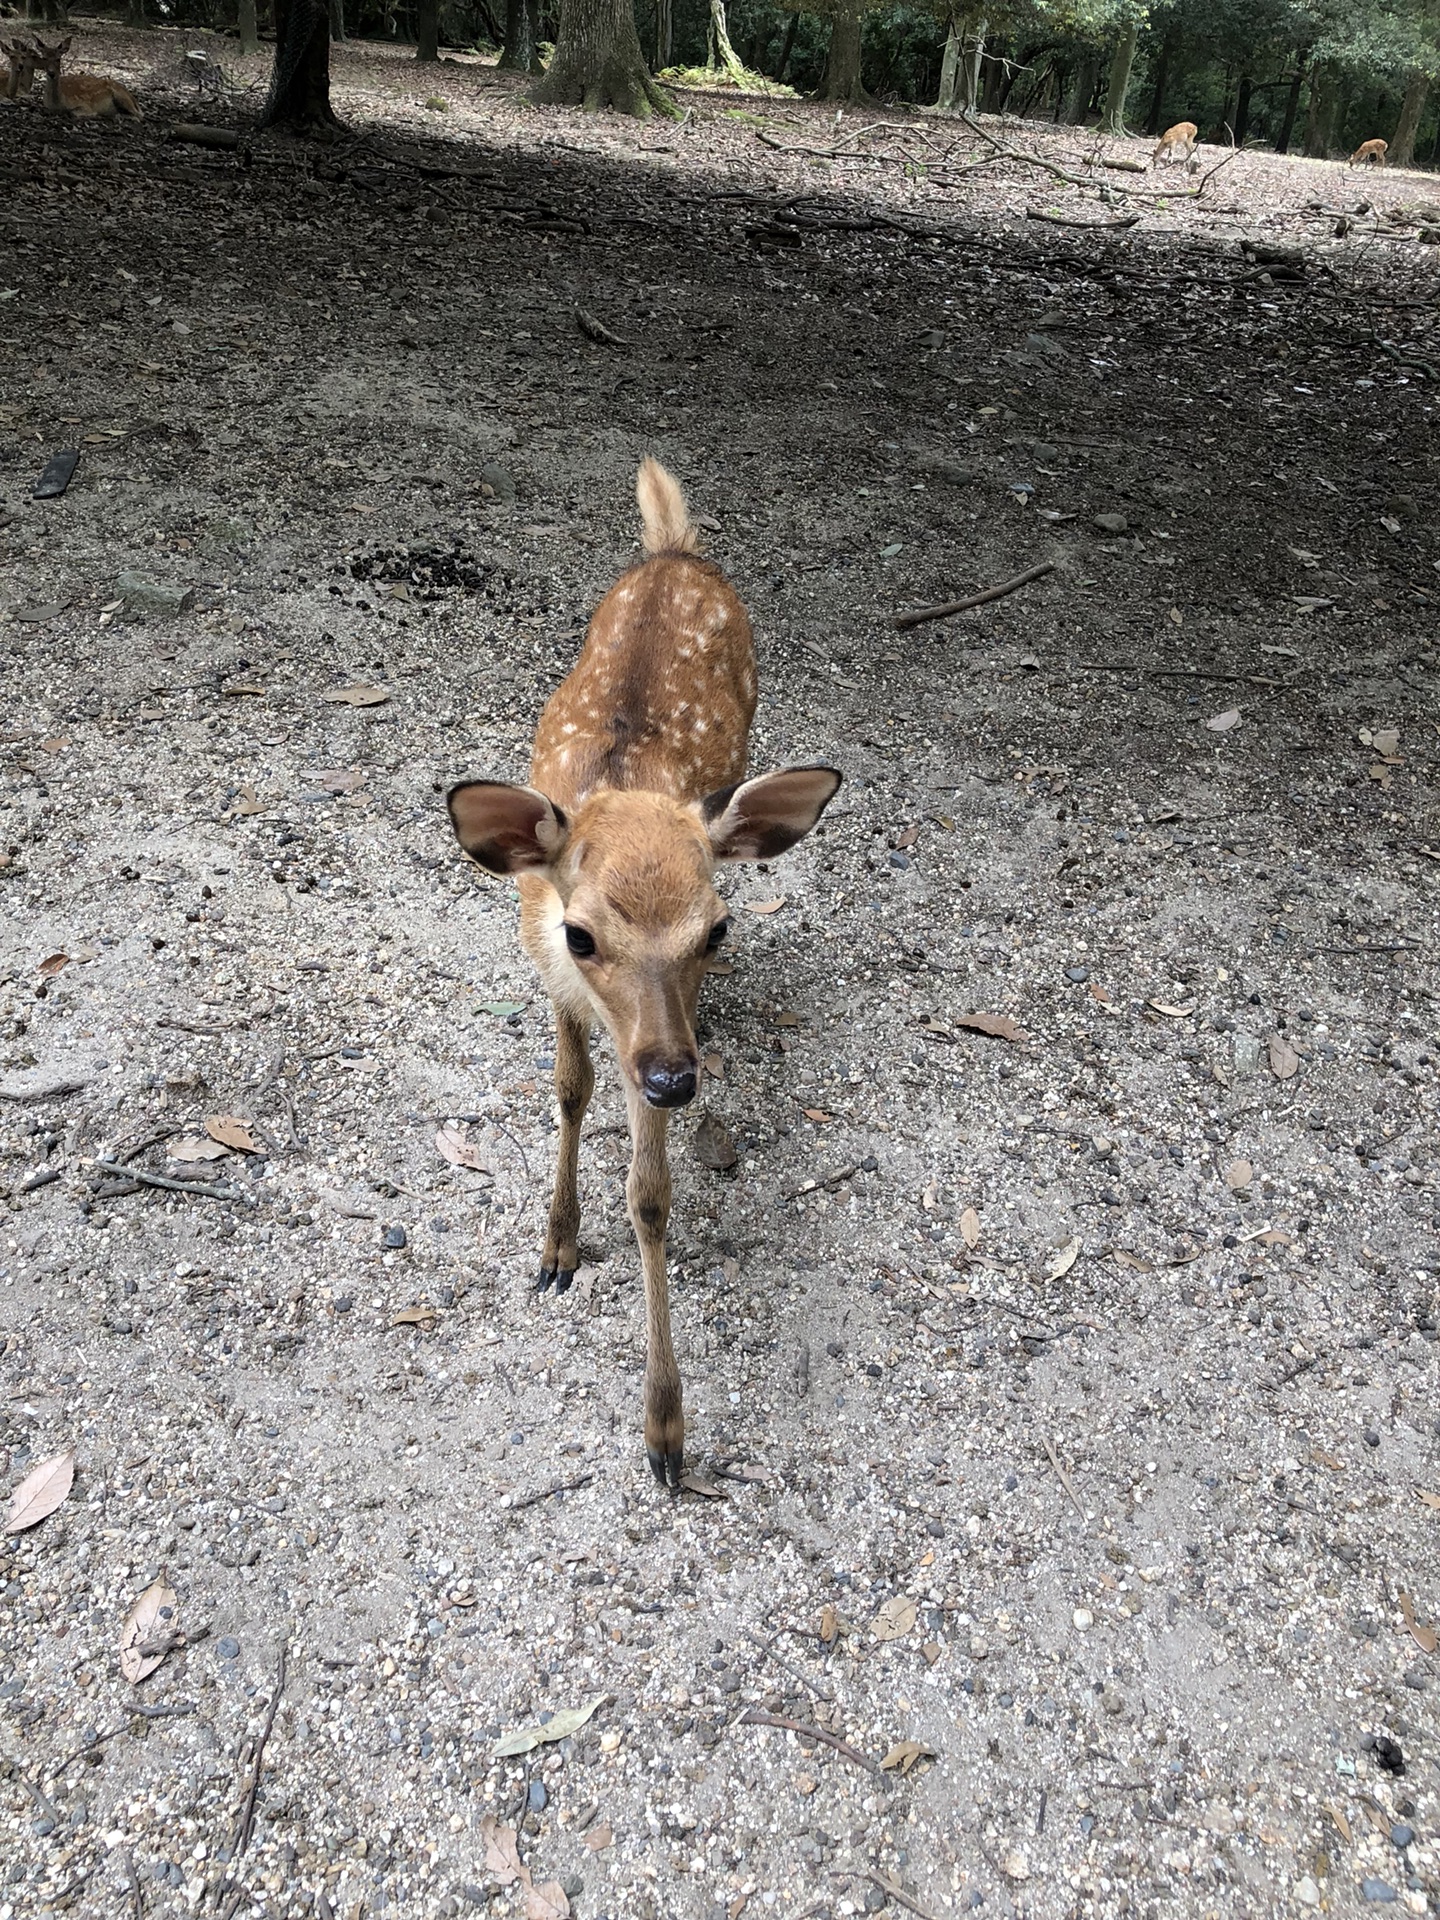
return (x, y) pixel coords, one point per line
(764, 817)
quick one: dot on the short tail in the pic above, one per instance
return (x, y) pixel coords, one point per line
(664, 516)
(126, 102)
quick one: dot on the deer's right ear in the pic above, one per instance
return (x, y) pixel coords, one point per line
(507, 829)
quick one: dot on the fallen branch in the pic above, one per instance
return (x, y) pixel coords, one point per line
(921, 616)
(898, 1893)
(754, 1718)
(817, 1687)
(197, 136)
(245, 1820)
(1084, 226)
(1062, 1476)
(199, 1188)
(596, 330)
(821, 1180)
(548, 1493)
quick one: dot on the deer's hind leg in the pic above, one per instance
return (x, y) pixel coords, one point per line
(574, 1084)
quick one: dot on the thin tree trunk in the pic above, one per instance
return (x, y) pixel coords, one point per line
(720, 56)
(337, 21)
(300, 80)
(1402, 143)
(787, 45)
(598, 63)
(1084, 86)
(518, 52)
(1242, 110)
(1292, 103)
(971, 68)
(249, 26)
(992, 94)
(135, 14)
(664, 32)
(842, 62)
(949, 94)
(1122, 65)
(1155, 119)
(427, 29)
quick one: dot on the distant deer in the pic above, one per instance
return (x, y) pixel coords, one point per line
(85, 95)
(1370, 153)
(18, 79)
(1177, 143)
(639, 790)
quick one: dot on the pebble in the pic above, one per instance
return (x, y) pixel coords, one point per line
(1377, 1890)
(393, 1237)
(1083, 1619)
(1111, 522)
(1307, 1893)
(1401, 1835)
(227, 1648)
(900, 860)
(537, 1799)
(153, 596)
(500, 482)
(1078, 974)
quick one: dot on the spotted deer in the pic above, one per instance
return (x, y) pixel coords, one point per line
(1177, 143)
(1370, 153)
(17, 80)
(637, 793)
(86, 96)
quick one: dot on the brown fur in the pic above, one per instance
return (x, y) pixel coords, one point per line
(638, 791)
(1177, 143)
(86, 96)
(1370, 153)
(18, 78)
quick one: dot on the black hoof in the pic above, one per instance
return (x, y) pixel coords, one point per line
(666, 1467)
(547, 1274)
(563, 1278)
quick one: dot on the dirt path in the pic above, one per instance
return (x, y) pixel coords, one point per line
(1113, 1493)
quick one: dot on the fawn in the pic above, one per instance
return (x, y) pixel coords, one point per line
(1370, 153)
(638, 767)
(1177, 143)
(18, 79)
(85, 95)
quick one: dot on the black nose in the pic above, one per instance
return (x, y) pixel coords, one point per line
(669, 1084)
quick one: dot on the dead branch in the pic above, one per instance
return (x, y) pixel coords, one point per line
(198, 1188)
(1084, 226)
(596, 330)
(200, 136)
(921, 616)
(754, 1718)
(245, 1820)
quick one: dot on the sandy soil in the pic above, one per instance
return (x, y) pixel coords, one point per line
(1070, 1401)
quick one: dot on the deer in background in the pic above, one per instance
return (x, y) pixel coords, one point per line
(84, 95)
(1370, 153)
(1177, 143)
(18, 79)
(638, 792)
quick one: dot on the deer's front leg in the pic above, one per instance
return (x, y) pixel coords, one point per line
(648, 1194)
(574, 1083)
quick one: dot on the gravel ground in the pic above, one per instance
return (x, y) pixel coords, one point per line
(1066, 1396)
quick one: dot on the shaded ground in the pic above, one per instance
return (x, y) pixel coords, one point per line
(1162, 1516)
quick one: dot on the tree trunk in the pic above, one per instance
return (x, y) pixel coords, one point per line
(1122, 64)
(518, 52)
(337, 21)
(1242, 110)
(1084, 86)
(971, 69)
(249, 27)
(720, 56)
(1292, 103)
(949, 95)
(1402, 142)
(427, 29)
(598, 63)
(300, 81)
(842, 62)
(994, 90)
(1155, 119)
(787, 45)
(135, 13)
(664, 32)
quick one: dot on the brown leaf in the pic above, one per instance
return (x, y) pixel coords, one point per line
(1101, 995)
(930, 1652)
(1239, 1174)
(787, 1019)
(719, 966)
(1132, 1261)
(343, 780)
(546, 1902)
(1386, 742)
(452, 1145)
(714, 1147)
(715, 1066)
(187, 1152)
(1284, 1061)
(1423, 1636)
(358, 696)
(1223, 722)
(999, 1024)
(56, 963)
(231, 1132)
(501, 1855)
(817, 1114)
(829, 1625)
(1431, 1500)
(895, 1619)
(143, 1623)
(903, 1755)
(40, 1492)
(422, 1316)
(58, 744)
(908, 838)
(598, 1838)
(970, 1227)
(692, 1483)
(764, 906)
(1061, 1262)
(1171, 1013)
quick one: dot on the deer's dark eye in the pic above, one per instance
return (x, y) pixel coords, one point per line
(580, 943)
(716, 935)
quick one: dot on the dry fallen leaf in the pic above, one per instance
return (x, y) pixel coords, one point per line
(903, 1755)
(714, 1148)
(908, 838)
(598, 1838)
(1423, 1636)
(343, 780)
(151, 1619)
(358, 696)
(186, 1152)
(1431, 1500)
(805, 1784)
(830, 1619)
(1063, 1260)
(1284, 1061)
(715, 1066)
(559, 1726)
(422, 1316)
(452, 1145)
(1101, 996)
(998, 1024)
(1223, 722)
(1239, 1174)
(56, 963)
(817, 1114)
(764, 906)
(501, 1856)
(692, 1483)
(1171, 1012)
(1386, 742)
(40, 1492)
(787, 1019)
(895, 1619)
(970, 1227)
(231, 1132)
(1132, 1261)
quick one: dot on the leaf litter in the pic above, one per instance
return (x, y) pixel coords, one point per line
(559, 1726)
(149, 1632)
(43, 1489)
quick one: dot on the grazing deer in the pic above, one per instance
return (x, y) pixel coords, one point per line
(638, 767)
(18, 79)
(85, 95)
(1370, 153)
(1177, 143)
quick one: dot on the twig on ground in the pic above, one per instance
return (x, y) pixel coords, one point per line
(596, 330)
(919, 616)
(198, 1188)
(132, 1880)
(898, 1893)
(817, 1687)
(548, 1493)
(1084, 226)
(754, 1718)
(1062, 1476)
(821, 1180)
(245, 1820)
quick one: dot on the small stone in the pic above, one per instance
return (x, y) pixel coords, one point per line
(1307, 1893)
(153, 596)
(1401, 1835)
(900, 860)
(1111, 522)
(876, 1899)
(536, 1798)
(1370, 1437)
(1247, 1053)
(227, 1648)
(1083, 1619)
(1379, 1891)
(1078, 974)
(393, 1237)
(499, 481)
